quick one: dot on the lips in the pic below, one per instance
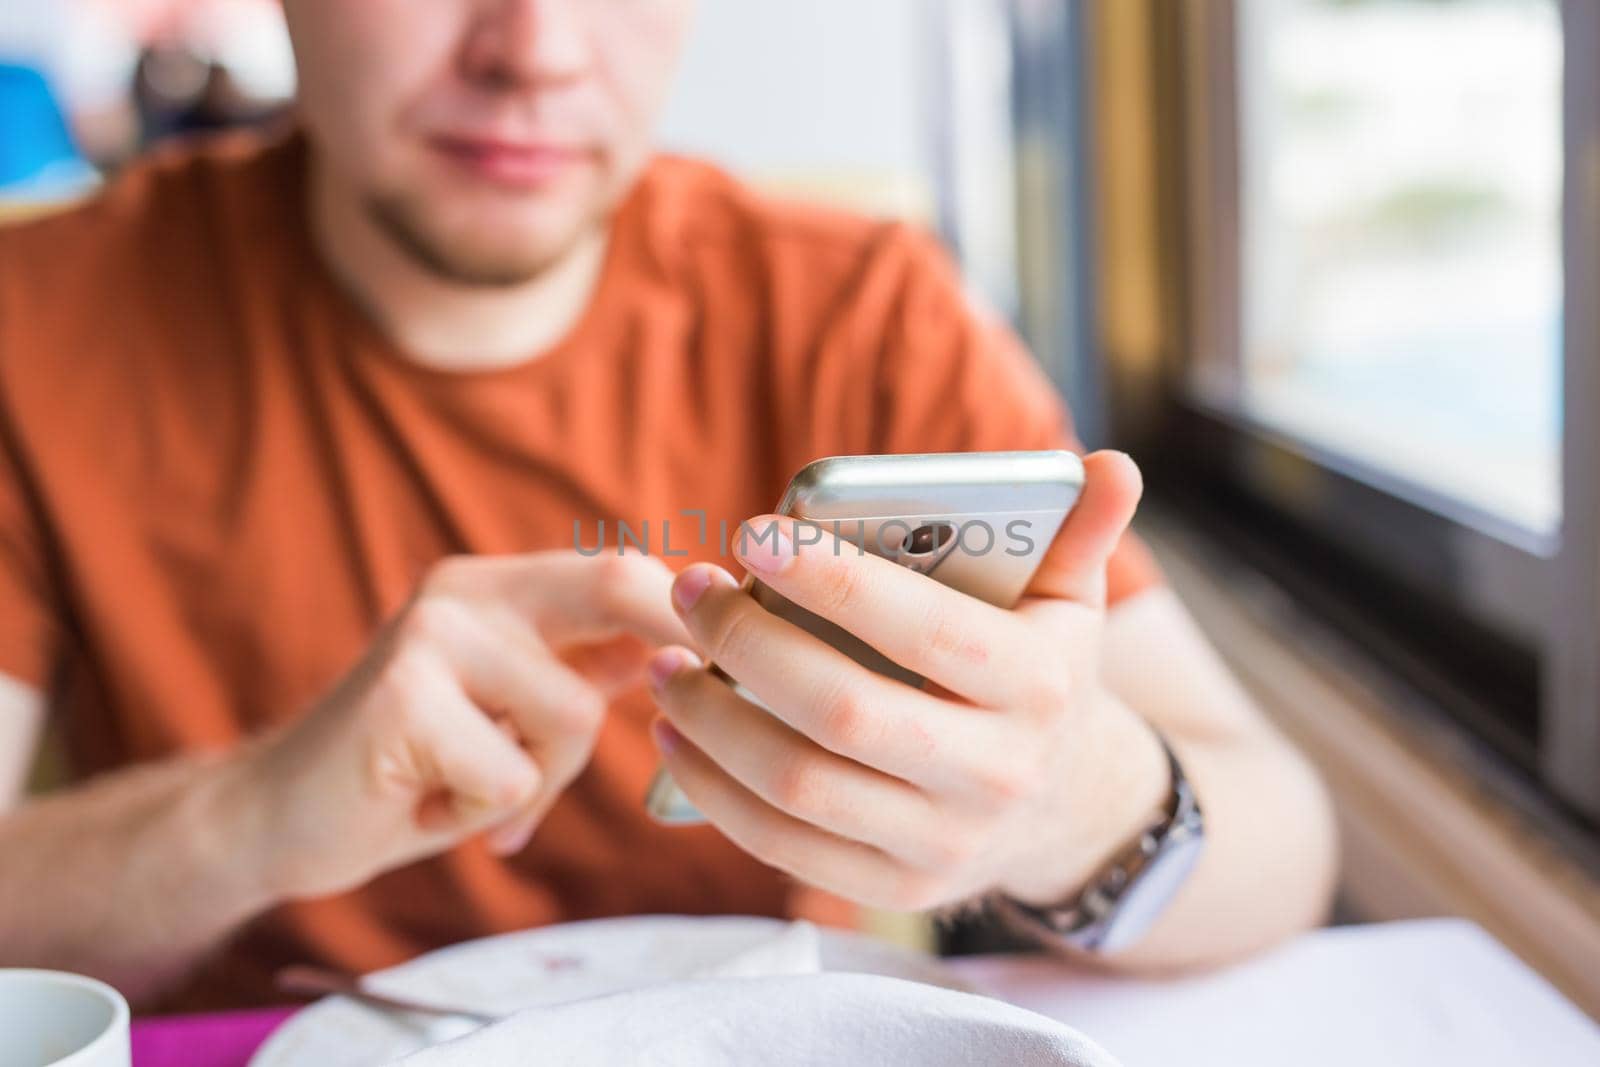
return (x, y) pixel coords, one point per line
(520, 165)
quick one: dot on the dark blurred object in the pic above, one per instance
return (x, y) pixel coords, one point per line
(38, 159)
(221, 103)
(177, 92)
(167, 84)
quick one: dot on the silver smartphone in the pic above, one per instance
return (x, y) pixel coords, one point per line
(979, 522)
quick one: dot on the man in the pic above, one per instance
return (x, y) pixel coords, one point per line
(294, 438)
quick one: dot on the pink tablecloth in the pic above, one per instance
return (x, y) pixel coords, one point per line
(224, 1040)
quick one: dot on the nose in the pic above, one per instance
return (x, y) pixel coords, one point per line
(526, 43)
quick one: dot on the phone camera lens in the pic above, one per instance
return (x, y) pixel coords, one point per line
(928, 539)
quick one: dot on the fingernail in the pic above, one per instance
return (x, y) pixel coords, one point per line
(690, 587)
(767, 551)
(664, 664)
(666, 735)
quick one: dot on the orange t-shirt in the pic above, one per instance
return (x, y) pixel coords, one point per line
(218, 478)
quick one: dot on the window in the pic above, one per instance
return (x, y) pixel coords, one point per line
(1377, 263)
(1400, 190)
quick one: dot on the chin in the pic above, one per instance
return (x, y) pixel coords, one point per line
(497, 261)
(487, 244)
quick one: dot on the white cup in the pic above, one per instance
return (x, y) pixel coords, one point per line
(54, 1019)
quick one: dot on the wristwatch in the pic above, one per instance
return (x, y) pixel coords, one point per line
(1123, 900)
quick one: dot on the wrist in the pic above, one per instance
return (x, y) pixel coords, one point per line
(1105, 802)
(230, 815)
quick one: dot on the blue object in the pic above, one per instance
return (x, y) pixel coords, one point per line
(37, 156)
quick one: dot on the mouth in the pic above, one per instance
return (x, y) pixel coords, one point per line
(523, 166)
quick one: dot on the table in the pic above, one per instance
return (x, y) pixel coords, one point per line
(1424, 992)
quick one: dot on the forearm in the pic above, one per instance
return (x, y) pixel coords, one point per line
(1269, 863)
(1268, 867)
(131, 877)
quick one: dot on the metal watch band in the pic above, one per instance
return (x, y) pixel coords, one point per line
(1122, 901)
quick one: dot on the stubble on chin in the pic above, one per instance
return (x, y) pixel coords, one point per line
(470, 260)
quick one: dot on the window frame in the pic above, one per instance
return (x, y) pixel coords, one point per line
(1498, 622)
(1051, 89)
(1571, 755)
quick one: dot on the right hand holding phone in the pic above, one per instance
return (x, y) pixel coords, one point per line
(1013, 768)
(471, 711)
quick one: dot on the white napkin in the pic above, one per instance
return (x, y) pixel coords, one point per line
(796, 949)
(740, 1016)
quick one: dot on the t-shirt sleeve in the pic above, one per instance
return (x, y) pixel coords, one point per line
(954, 378)
(30, 632)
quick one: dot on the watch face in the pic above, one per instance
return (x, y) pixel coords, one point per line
(1143, 902)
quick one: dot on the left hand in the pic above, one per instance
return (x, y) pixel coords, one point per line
(1011, 769)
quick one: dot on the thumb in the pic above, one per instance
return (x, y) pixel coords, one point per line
(1075, 566)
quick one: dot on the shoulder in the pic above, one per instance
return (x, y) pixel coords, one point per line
(120, 316)
(111, 277)
(160, 197)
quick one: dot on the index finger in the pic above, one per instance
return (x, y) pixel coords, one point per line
(572, 598)
(962, 643)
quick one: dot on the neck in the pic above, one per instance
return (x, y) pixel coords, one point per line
(437, 322)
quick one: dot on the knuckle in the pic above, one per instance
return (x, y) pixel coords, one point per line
(735, 634)
(618, 574)
(840, 587)
(952, 851)
(618, 582)
(614, 571)
(949, 637)
(844, 719)
(610, 584)
(1002, 786)
(430, 618)
(394, 693)
(1050, 694)
(798, 788)
(605, 582)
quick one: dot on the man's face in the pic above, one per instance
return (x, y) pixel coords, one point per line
(485, 137)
